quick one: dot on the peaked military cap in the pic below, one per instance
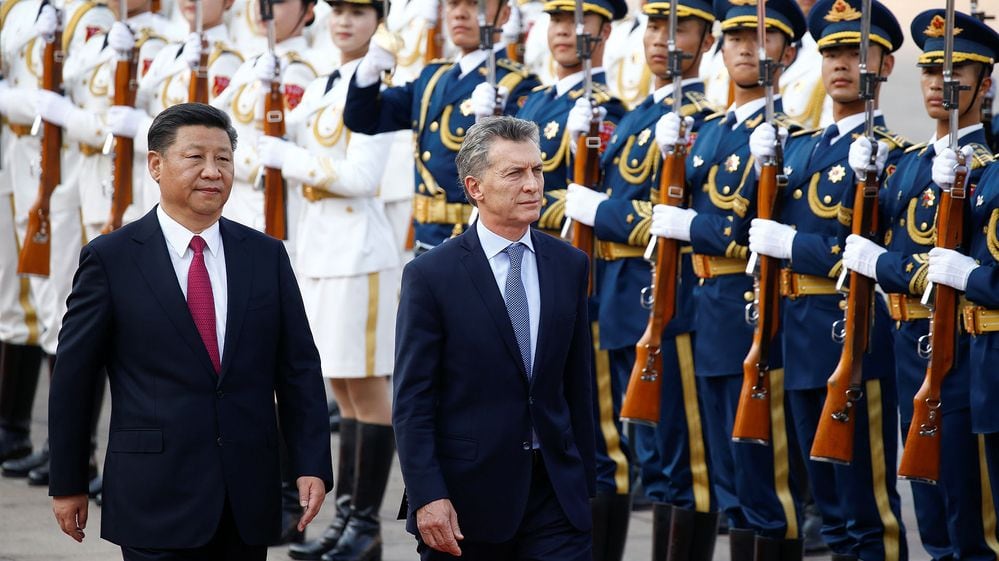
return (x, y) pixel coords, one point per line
(610, 9)
(684, 8)
(974, 41)
(837, 22)
(378, 5)
(783, 15)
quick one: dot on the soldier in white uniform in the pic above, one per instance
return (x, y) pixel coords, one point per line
(628, 76)
(348, 269)
(243, 22)
(243, 101)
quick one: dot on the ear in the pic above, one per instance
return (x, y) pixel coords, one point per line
(504, 14)
(155, 164)
(888, 65)
(790, 52)
(228, 4)
(474, 189)
(709, 41)
(605, 30)
(986, 86)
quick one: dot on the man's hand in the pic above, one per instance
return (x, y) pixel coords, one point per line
(71, 514)
(311, 493)
(438, 524)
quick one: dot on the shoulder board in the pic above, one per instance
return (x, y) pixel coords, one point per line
(700, 102)
(438, 61)
(146, 35)
(981, 156)
(74, 20)
(713, 116)
(219, 50)
(295, 58)
(5, 9)
(807, 132)
(542, 87)
(915, 147)
(894, 141)
(513, 67)
(788, 123)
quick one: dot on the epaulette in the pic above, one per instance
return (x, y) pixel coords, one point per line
(220, 49)
(295, 58)
(699, 101)
(146, 35)
(915, 147)
(542, 87)
(807, 132)
(788, 123)
(894, 141)
(513, 67)
(981, 156)
(714, 116)
(600, 93)
(438, 61)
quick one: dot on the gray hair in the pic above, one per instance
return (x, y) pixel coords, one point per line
(473, 157)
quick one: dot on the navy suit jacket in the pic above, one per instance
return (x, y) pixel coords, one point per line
(183, 438)
(464, 408)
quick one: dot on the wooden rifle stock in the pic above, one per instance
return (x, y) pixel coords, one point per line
(752, 417)
(275, 208)
(125, 86)
(834, 435)
(586, 172)
(641, 402)
(921, 453)
(434, 48)
(155, 6)
(36, 252)
(197, 89)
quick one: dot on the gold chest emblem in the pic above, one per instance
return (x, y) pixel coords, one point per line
(732, 163)
(551, 129)
(466, 107)
(698, 161)
(643, 136)
(836, 174)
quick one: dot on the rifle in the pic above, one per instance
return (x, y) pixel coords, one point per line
(752, 418)
(155, 6)
(487, 31)
(921, 454)
(434, 41)
(990, 138)
(641, 402)
(35, 255)
(197, 89)
(834, 435)
(586, 166)
(125, 87)
(515, 51)
(275, 208)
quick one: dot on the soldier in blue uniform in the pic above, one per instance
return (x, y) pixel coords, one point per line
(550, 107)
(672, 458)
(859, 502)
(949, 515)
(439, 107)
(758, 497)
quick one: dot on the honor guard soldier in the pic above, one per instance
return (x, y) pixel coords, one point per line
(858, 502)
(440, 107)
(348, 269)
(757, 497)
(801, 88)
(953, 516)
(291, 64)
(628, 74)
(243, 22)
(167, 81)
(619, 213)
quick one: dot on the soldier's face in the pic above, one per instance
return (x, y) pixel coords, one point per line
(462, 20)
(194, 172)
(352, 27)
(562, 35)
(841, 69)
(931, 81)
(289, 19)
(741, 58)
(212, 11)
(690, 38)
(510, 190)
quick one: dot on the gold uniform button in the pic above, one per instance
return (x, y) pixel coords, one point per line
(827, 199)
(726, 190)
(351, 209)
(901, 222)
(921, 226)
(634, 161)
(842, 303)
(796, 194)
(545, 154)
(618, 159)
(434, 126)
(422, 188)
(426, 156)
(748, 295)
(461, 131)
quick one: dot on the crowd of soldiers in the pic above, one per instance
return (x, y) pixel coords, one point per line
(377, 97)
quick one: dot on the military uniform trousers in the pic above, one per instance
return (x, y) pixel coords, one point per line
(613, 453)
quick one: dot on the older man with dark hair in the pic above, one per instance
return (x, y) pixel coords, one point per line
(492, 390)
(199, 323)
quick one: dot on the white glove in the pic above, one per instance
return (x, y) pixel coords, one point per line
(761, 143)
(861, 255)
(511, 29)
(19, 105)
(192, 50)
(672, 222)
(47, 22)
(266, 67)
(428, 11)
(771, 238)
(668, 131)
(124, 120)
(274, 153)
(120, 37)
(484, 100)
(860, 156)
(578, 121)
(950, 267)
(581, 203)
(378, 60)
(944, 164)
(54, 108)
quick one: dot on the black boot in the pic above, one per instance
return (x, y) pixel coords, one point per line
(792, 550)
(768, 549)
(618, 514)
(662, 515)
(811, 530)
(741, 544)
(335, 418)
(21, 467)
(692, 535)
(362, 539)
(314, 549)
(19, 368)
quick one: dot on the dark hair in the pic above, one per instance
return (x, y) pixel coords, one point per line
(163, 131)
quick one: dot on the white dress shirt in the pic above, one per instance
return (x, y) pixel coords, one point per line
(850, 122)
(659, 95)
(940, 144)
(178, 241)
(472, 60)
(746, 110)
(493, 245)
(566, 85)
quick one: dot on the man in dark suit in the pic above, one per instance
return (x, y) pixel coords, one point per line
(200, 325)
(492, 405)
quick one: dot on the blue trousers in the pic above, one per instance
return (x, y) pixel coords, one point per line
(612, 451)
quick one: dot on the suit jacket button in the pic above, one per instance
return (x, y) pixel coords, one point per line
(530, 400)
(526, 445)
(219, 441)
(220, 393)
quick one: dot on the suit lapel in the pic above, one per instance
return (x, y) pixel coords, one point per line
(154, 264)
(547, 285)
(238, 268)
(484, 281)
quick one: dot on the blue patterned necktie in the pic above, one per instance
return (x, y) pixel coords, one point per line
(516, 303)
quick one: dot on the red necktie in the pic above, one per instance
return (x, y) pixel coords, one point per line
(201, 301)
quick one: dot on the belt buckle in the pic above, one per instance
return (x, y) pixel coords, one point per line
(971, 323)
(787, 287)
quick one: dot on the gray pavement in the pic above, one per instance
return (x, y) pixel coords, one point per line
(29, 533)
